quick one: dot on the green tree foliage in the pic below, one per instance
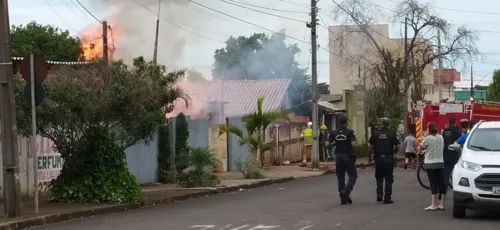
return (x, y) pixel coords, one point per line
(494, 87)
(122, 105)
(261, 56)
(51, 42)
(182, 136)
(255, 126)
(323, 88)
(166, 173)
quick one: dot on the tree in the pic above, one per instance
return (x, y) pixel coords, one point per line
(494, 87)
(392, 73)
(260, 56)
(51, 42)
(93, 113)
(323, 88)
(255, 126)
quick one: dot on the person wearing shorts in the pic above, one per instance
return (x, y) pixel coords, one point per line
(410, 145)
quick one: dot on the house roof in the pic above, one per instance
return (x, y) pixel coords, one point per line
(330, 97)
(240, 96)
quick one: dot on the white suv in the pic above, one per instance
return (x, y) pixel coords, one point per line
(476, 176)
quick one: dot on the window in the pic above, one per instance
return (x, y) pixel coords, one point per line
(485, 140)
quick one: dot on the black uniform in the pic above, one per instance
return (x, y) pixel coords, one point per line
(345, 159)
(384, 143)
(450, 135)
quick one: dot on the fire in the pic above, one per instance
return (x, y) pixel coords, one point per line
(91, 39)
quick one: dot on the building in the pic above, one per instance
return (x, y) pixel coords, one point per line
(448, 79)
(348, 46)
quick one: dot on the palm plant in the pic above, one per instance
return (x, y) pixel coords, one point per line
(255, 126)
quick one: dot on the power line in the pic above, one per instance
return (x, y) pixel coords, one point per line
(244, 21)
(59, 16)
(175, 24)
(267, 8)
(88, 11)
(294, 3)
(263, 12)
(76, 11)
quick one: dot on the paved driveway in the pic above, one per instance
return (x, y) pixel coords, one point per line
(299, 205)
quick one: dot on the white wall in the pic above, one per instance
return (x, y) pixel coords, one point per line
(49, 164)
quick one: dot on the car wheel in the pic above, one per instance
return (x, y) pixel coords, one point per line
(458, 212)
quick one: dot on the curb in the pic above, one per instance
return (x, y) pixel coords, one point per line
(60, 217)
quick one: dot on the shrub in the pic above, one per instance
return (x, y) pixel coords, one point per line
(98, 173)
(165, 171)
(200, 162)
(181, 142)
(362, 150)
(250, 170)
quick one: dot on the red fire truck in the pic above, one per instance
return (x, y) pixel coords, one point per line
(420, 117)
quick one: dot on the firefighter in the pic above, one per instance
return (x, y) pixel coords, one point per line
(384, 145)
(343, 139)
(307, 138)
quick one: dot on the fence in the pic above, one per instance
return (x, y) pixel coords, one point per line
(284, 136)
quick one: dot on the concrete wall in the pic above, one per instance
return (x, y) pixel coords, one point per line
(142, 159)
(235, 152)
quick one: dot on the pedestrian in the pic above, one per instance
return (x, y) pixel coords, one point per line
(323, 155)
(433, 145)
(450, 157)
(307, 138)
(410, 146)
(384, 145)
(344, 139)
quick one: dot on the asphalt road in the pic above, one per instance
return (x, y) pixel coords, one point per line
(298, 205)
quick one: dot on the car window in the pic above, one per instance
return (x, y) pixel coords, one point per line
(485, 139)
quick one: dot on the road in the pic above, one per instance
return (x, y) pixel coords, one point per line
(298, 205)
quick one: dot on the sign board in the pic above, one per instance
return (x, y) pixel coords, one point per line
(445, 108)
(40, 68)
(49, 163)
(39, 93)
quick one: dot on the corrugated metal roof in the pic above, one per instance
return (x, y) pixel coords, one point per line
(330, 97)
(241, 96)
(57, 62)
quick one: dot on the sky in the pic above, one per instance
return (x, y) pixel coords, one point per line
(189, 33)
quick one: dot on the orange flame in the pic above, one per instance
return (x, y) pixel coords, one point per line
(91, 39)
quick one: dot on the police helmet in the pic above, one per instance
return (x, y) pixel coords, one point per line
(309, 124)
(464, 123)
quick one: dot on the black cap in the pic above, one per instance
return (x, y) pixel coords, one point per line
(342, 120)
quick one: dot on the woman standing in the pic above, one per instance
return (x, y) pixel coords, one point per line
(433, 145)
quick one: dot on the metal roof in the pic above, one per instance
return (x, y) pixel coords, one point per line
(240, 96)
(330, 97)
(57, 62)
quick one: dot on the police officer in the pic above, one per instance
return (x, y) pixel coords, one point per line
(343, 139)
(450, 135)
(384, 144)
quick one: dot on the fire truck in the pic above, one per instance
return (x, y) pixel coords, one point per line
(440, 113)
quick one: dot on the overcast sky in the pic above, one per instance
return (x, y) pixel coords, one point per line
(196, 32)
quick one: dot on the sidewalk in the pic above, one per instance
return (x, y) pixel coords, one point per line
(160, 194)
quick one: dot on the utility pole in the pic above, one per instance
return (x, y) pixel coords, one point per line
(105, 41)
(12, 189)
(440, 84)
(365, 108)
(471, 83)
(406, 72)
(155, 53)
(314, 70)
